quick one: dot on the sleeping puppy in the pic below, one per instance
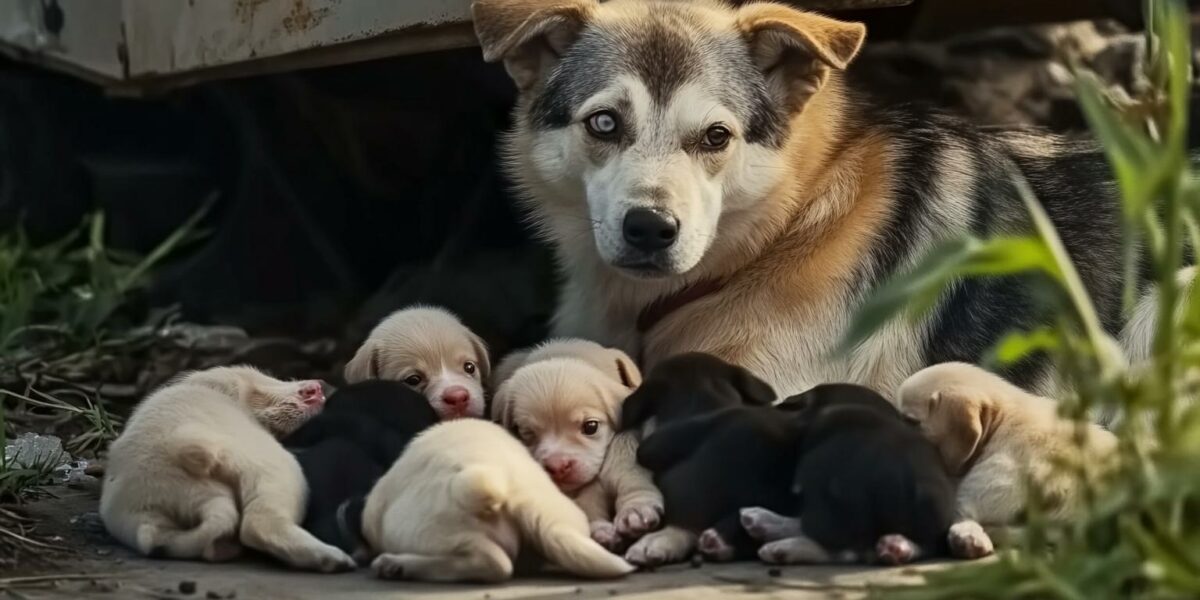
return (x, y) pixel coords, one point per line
(563, 400)
(461, 499)
(992, 435)
(704, 487)
(869, 485)
(344, 450)
(430, 351)
(198, 471)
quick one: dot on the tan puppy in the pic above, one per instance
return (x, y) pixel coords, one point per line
(563, 399)
(460, 500)
(198, 456)
(431, 351)
(993, 435)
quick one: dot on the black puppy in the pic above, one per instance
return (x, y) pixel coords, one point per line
(869, 485)
(716, 447)
(345, 449)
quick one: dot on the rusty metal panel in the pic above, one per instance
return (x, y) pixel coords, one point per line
(87, 41)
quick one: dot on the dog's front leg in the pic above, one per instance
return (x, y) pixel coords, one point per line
(638, 503)
(594, 501)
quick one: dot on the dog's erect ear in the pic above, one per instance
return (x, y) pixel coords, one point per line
(364, 365)
(481, 359)
(628, 373)
(753, 390)
(961, 421)
(796, 49)
(529, 35)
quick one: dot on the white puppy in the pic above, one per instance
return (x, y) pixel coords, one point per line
(994, 436)
(458, 503)
(431, 351)
(197, 471)
(563, 400)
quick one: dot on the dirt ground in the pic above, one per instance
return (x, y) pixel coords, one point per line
(96, 567)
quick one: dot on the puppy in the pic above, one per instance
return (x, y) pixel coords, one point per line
(704, 489)
(460, 500)
(993, 435)
(198, 471)
(430, 351)
(563, 400)
(344, 450)
(869, 486)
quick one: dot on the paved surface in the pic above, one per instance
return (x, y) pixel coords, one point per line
(100, 569)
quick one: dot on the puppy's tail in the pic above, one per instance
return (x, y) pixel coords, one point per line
(542, 523)
(480, 490)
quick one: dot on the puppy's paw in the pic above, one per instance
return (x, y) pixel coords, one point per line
(794, 551)
(223, 549)
(660, 548)
(767, 526)
(323, 558)
(968, 540)
(895, 550)
(638, 518)
(714, 547)
(605, 534)
(388, 566)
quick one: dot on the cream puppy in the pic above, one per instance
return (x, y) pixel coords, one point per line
(994, 437)
(458, 503)
(198, 471)
(431, 351)
(563, 400)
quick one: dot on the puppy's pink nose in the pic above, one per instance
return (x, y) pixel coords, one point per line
(559, 468)
(456, 397)
(312, 393)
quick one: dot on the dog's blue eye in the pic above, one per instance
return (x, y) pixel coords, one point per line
(603, 124)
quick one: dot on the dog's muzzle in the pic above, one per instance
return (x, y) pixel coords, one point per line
(649, 234)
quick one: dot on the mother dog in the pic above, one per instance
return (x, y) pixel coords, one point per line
(713, 180)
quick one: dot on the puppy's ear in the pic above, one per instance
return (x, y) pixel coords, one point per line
(530, 36)
(508, 366)
(796, 49)
(627, 372)
(753, 390)
(963, 421)
(639, 406)
(481, 358)
(364, 365)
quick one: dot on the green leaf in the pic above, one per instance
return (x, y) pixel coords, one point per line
(1017, 345)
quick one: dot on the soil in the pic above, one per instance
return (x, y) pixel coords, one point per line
(95, 566)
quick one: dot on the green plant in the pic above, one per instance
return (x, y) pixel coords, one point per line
(74, 287)
(1138, 533)
(19, 479)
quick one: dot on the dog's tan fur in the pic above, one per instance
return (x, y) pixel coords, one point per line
(430, 350)
(461, 499)
(197, 472)
(545, 394)
(993, 436)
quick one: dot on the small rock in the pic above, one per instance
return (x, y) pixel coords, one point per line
(187, 587)
(775, 572)
(697, 561)
(104, 551)
(612, 592)
(578, 590)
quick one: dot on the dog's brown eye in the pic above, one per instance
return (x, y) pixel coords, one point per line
(414, 380)
(603, 125)
(590, 427)
(469, 367)
(717, 137)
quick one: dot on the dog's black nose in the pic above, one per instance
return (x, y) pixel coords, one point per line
(649, 230)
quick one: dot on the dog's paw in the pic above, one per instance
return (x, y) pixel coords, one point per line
(638, 518)
(659, 548)
(605, 534)
(388, 566)
(895, 550)
(793, 551)
(714, 547)
(968, 540)
(323, 558)
(766, 526)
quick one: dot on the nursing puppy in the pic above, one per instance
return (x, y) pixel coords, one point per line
(563, 400)
(992, 436)
(344, 450)
(720, 449)
(460, 501)
(712, 178)
(198, 471)
(869, 486)
(429, 350)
